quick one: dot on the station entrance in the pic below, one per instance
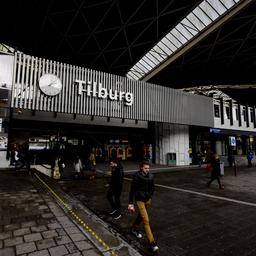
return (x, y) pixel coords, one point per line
(47, 139)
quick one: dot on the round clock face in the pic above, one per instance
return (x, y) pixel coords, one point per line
(50, 84)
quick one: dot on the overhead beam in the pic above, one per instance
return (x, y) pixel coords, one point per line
(198, 39)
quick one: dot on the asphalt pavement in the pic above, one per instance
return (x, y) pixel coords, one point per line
(187, 218)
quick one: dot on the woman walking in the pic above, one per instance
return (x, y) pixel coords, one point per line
(215, 174)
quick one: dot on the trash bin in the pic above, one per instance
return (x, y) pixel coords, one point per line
(221, 168)
(171, 159)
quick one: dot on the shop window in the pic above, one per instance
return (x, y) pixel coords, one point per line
(216, 110)
(128, 152)
(119, 152)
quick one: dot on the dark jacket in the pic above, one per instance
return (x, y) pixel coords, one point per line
(142, 187)
(216, 167)
(117, 177)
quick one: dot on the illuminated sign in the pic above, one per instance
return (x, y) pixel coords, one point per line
(214, 130)
(232, 141)
(96, 90)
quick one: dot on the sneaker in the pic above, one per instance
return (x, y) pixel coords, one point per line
(117, 216)
(154, 247)
(136, 233)
(113, 212)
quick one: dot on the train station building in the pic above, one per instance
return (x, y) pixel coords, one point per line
(79, 99)
(56, 106)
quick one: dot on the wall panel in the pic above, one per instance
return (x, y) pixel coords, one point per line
(150, 102)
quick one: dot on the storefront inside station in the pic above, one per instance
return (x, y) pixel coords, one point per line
(46, 139)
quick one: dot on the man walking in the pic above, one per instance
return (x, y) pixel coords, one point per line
(142, 189)
(115, 188)
(249, 158)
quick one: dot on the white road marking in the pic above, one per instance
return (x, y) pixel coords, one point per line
(204, 194)
(207, 195)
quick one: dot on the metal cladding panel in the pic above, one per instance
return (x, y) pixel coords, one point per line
(89, 92)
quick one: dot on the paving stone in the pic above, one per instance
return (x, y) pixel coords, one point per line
(5, 235)
(47, 215)
(71, 247)
(49, 234)
(62, 240)
(40, 253)
(46, 243)
(63, 219)
(1, 244)
(83, 245)
(28, 224)
(67, 224)
(54, 225)
(33, 237)
(43, 221)
(72, 230)
(92, 252)
(7, 252)
(40, 228)
(21, 232)
(61, 231)
(13, 241)
(39, 201)
(58, 250)
(34, 205)
(33, 191)
(42, 207)
(77, 237)
(75, 254)
(25, 248)
(11, 227)
(58, 212)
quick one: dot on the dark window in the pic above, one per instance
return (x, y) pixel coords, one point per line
(244, 113)
(228, 112)
(251, 114)
(216, 110)
(237, 117)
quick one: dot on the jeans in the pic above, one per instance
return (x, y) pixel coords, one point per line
(115, 204)
(143, 217)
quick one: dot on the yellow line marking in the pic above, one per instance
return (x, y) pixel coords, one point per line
(76, 217)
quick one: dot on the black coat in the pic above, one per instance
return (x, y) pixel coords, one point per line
(216, 168)
(117, 177)
(142, 187)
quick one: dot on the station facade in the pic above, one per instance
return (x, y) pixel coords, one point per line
(62, 107)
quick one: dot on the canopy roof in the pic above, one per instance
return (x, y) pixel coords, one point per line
(113, 35)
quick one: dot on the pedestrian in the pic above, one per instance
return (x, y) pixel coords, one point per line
(14, 155)
(249, 158)
(199, 157)
(231, 159)
(23, 159)
(92, 160)
(58, 166)
(215, 173)
(78, 167)
(142, 189)
(115, 188)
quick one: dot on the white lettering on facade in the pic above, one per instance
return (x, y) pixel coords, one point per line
(103, 93)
